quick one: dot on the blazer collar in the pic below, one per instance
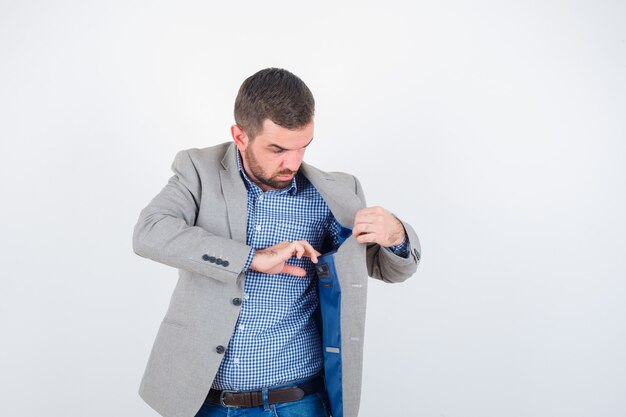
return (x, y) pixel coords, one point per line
(341, 199)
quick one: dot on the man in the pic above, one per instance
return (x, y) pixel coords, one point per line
(245, 223)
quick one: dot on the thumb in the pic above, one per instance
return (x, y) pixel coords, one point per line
(293, 270)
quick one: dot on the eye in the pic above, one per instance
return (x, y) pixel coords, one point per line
(276, 150)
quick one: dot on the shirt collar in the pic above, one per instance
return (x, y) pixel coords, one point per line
(251, 186)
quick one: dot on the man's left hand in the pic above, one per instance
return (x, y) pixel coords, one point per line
(377, 225)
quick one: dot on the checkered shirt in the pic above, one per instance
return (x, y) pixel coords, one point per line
(276, 339)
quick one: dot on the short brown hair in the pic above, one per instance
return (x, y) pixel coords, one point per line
(275, 94)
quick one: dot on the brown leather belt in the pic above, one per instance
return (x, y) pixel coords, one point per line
(255, 398)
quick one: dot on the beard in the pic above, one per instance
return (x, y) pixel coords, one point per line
(261, 176)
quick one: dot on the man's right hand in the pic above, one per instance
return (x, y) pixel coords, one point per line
(272, 260)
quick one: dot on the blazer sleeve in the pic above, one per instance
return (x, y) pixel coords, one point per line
(384, 264)
(166, 231)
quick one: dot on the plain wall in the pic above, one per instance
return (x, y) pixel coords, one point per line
(495, 128)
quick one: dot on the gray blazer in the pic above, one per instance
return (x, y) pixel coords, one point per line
(197, 223)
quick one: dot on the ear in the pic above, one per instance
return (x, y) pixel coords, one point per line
(239, 137)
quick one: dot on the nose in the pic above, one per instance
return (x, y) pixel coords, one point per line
(292, 160)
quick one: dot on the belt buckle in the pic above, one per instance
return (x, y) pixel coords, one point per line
(224, 392)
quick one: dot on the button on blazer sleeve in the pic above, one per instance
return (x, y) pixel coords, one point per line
(166, 230)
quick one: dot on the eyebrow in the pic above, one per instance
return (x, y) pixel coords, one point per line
(273, 145)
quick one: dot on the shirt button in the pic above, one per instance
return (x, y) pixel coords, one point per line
(245, 297)
(236, 361)
(241, 327)
(258, 227)
(237, 301)
(220, 349)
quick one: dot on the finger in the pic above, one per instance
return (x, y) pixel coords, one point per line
(311, 252)
(364, 228)
(293, 270)
(293, 246)
(361, 217)
(299, 249)
(366, 218)
(305, 249)
(312, 249)
(367, 238)
(371, 210)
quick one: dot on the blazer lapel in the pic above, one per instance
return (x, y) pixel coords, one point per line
(342, 201)
(235, 195)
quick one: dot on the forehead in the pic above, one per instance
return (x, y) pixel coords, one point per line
(274, 134)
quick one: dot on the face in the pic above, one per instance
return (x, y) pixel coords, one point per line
(273, 158)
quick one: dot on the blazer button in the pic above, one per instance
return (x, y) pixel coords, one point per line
(218, 261)
(237, 301)
(225, 263)
(205, 257)
(212, 259)
(220, 349)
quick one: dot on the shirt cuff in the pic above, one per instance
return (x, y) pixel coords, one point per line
(249, 260)
(402, 249)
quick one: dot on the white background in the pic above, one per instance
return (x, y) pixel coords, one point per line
(495, 128)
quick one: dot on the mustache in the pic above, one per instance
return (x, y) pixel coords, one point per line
(287, 172)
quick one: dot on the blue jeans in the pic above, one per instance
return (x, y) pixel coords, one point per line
(312, 405)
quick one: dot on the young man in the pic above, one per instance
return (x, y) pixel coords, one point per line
(245, 223)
